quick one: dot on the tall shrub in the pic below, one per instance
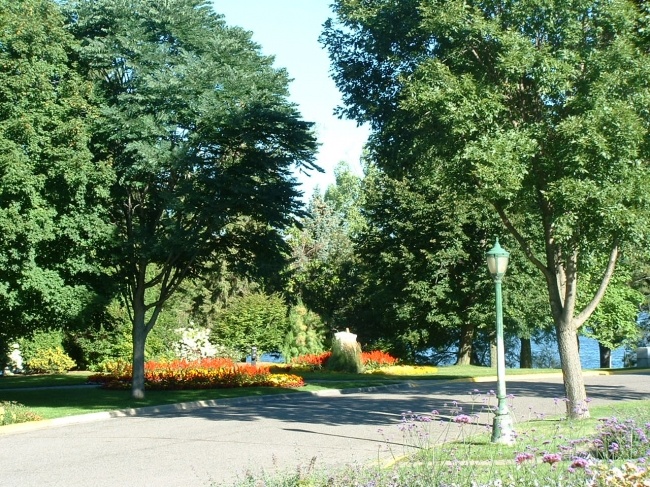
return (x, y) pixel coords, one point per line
(43, 353)
(306, 333)
(256, 319)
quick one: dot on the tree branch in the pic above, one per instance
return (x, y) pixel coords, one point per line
(522, 242)
(604, 282)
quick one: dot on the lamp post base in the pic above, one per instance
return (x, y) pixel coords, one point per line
(502, 430)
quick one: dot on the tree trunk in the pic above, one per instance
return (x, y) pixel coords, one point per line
(605, 356)
(493, 353)
(465, 344)
(139, 334)
(525, 354)
(574, 384)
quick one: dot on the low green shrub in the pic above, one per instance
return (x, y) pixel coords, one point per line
(32, 346)
(111, 340)
(306, 333)
(256, 320)
(11, 413)
(43, 352)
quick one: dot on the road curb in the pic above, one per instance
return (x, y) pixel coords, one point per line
(186, 406)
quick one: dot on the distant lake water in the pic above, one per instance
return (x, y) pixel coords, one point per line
(590, 355)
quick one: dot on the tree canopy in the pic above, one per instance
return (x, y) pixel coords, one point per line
(51, 190)
(537, 109)
(198, 129)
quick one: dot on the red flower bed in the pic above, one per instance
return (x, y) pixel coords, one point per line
(198, 374)
(313, 360)
(377, 358)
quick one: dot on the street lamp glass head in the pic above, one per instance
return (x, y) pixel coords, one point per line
(497, 260)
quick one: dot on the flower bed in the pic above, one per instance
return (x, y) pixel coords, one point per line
(312, 360)
(206, 373)
(371, 360)
(376, 360)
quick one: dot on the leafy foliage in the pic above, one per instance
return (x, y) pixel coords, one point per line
(614, 322)
(43, 353)
(198, 128)
(324, 264)
(31, 346)
(253, 320)
(539, 111)
(305, 333)
(111, 339)
(12, 413)
(52, 217)
(50, 361)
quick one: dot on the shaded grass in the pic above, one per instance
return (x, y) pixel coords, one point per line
(43, 380)
(53, 403)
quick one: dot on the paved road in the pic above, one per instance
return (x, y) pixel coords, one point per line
(219, 443)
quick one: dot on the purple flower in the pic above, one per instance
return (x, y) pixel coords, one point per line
(579, 462)
(463, 419)
(522, 457)
(551, 458)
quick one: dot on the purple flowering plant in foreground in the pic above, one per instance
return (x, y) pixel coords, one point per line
(567, 455)
(449, 447)
(622, 439)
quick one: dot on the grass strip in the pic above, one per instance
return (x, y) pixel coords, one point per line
(43, 380)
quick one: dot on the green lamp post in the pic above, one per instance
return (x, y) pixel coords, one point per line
(502, 430)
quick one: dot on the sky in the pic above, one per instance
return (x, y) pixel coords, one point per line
(289, 30)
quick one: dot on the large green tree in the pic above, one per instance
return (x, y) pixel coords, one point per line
(50, 190)
(197, 126)
(538, 109)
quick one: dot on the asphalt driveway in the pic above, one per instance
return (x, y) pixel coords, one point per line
(218, 442)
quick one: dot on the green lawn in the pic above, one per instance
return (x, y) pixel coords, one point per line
(416, 372)
(21, 381)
